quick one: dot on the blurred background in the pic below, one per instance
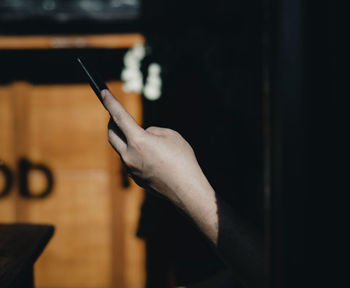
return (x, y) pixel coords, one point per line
(235, 78)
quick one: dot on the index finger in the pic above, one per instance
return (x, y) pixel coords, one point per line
(120, 116)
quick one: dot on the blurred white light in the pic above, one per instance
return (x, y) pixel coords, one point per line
(153, 87)
(131, 74)
(154, 69)
(151, 93)
(131, 61)
(133, 86)
(139, 51)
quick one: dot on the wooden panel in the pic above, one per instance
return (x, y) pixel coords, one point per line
(134, 247)
(132, 198)
(7, 152)
(79, 254)
(77, 41)
(65, 127)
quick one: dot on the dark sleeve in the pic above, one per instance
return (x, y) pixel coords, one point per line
(241, 246)
(222, 279)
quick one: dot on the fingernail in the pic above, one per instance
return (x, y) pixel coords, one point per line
(104, 93)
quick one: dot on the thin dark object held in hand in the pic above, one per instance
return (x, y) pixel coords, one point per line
(94, 79)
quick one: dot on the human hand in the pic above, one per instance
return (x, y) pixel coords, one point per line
(156, 158)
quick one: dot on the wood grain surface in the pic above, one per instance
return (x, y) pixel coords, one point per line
(65, 128)
(72, 41)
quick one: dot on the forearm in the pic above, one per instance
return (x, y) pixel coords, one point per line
(161, 159)
(196, 198)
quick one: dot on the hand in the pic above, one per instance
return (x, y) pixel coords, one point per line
(160, 159)
(156, 158)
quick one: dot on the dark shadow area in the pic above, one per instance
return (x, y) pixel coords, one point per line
(211, 59)
(59, 65)
(242, 246)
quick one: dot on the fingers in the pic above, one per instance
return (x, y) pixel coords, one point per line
(120, 116)
(116, 138)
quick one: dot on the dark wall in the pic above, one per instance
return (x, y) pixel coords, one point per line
(211, 69)
(210, 55)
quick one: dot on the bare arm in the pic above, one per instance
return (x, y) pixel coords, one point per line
(160, 159)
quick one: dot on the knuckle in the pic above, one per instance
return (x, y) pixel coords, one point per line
(137, 142)
(155, 130)
(116, 117)
(161, 131)
(172, 132)
(152, 129)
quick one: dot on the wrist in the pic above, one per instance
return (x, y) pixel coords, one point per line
(196, 198)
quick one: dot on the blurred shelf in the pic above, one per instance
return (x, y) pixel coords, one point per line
(109, 41)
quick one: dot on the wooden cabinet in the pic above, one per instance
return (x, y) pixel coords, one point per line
(65, 128)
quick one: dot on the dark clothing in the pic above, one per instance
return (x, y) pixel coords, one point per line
(241, 245)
